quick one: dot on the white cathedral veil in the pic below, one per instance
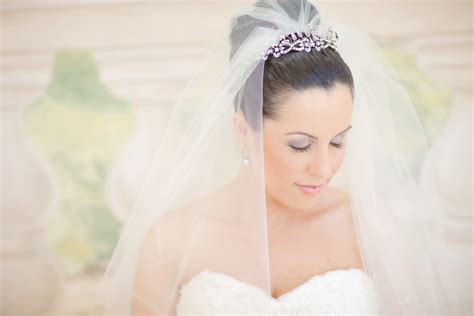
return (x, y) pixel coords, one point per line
(200, 209)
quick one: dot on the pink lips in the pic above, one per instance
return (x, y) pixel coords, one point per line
(310, 189)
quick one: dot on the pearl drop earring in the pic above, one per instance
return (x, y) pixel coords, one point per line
(245, 161)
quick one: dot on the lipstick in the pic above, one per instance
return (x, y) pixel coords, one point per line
(310, 189)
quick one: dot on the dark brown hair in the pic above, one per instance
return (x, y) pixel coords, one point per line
(294, 71)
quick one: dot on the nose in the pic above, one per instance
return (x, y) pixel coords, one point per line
(320, 164)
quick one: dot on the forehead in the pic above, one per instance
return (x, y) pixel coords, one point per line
(316, 109)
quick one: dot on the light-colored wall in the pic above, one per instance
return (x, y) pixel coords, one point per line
(132, 40)
(145, 51)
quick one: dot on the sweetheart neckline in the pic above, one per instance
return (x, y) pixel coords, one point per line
(283, 296)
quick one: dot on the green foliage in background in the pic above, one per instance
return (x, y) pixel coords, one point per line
(79, 126)
(432, 102)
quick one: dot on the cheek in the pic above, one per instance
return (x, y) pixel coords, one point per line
(281, 165)
(337, 159)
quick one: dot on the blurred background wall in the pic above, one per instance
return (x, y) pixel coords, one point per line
(86, 87)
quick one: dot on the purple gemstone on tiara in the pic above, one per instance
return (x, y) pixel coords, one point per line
(299, 41)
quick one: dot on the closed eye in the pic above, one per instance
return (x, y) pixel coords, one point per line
(340, 145)
(306, 148)
(301, 149)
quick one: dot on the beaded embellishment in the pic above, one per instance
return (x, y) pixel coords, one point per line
(302, 41)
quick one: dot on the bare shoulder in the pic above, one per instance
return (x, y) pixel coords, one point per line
(161, 237)
(159, 272)
(157, 268)
(174, 226)
(170, 227)
(343, 201)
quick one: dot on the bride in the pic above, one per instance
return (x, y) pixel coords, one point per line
(282, 184)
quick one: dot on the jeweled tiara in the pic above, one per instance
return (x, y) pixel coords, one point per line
(299, 41)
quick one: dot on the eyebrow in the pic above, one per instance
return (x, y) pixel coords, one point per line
(309, 135)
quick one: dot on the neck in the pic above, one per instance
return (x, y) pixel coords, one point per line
(278, 213)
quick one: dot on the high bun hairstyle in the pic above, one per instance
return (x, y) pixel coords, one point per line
(294, 71)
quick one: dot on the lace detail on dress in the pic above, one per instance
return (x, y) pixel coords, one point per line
(335, 292)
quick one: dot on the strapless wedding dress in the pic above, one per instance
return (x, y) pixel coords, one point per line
(345, 291)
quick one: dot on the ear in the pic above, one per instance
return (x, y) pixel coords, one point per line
(242, 128)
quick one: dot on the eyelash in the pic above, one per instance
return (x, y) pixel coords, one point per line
(303, 149)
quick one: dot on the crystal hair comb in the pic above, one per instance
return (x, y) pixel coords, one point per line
(299, 41)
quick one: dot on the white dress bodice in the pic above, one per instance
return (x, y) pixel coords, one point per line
(344, 291)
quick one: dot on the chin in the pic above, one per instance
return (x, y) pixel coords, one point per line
(306, 201)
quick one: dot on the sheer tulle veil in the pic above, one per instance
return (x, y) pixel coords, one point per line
(200, 208)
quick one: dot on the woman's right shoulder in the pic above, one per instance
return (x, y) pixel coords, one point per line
(170, 227)
(158, 266)
(175, 225)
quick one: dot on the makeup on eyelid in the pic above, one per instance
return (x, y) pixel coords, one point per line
(305, 146)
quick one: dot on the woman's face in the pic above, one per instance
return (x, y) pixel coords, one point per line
(304, 144)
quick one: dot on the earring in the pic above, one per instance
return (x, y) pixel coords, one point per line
(245, 161)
